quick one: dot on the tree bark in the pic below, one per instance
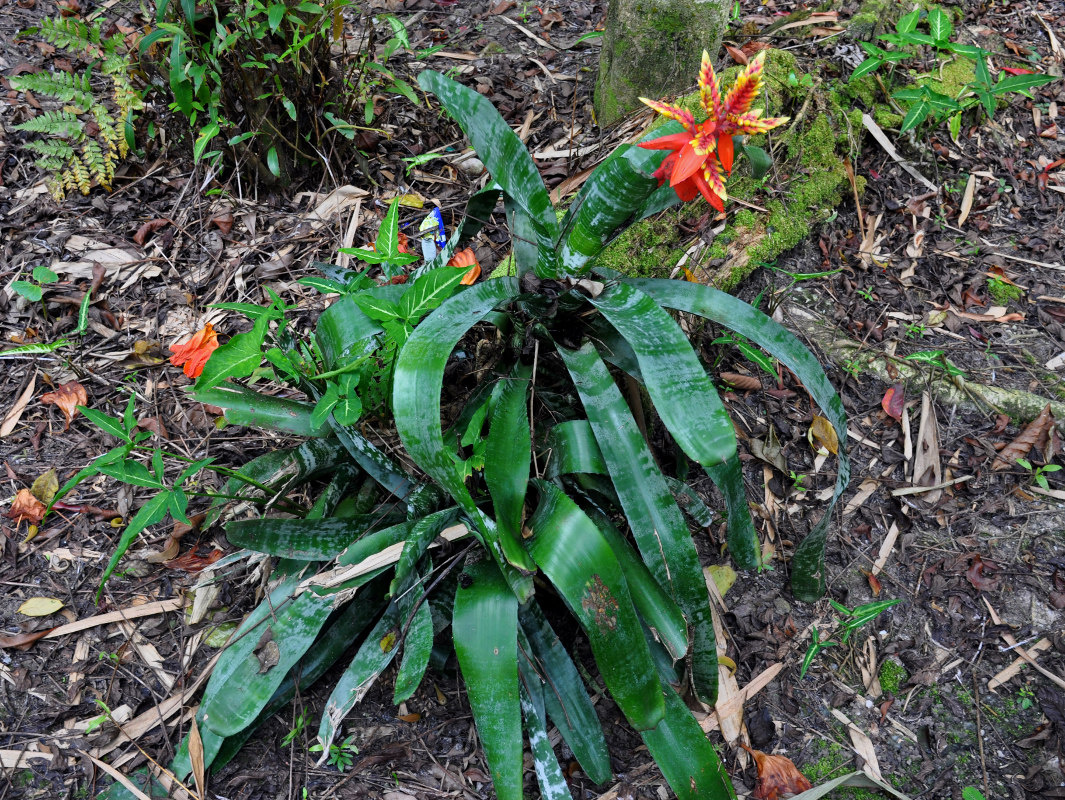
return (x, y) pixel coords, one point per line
(652, 48)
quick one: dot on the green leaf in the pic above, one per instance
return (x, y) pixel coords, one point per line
(954, 126)
(428, 291)
(242, 682)
(655, 607)
(30, 291)
(83, 314)
(417, 647)
(237, 358)
(939, 25)
(685, 755)
(298, 539)
(571, 447)
(505, 156)
(420, 537)
(917, 114)
(866, 67)
(808, 580)
(485, 627)
(1020, 83)
(387, 242)
(204, 138)
(324, 406)
(508, 459)
(908, 23)
(348, 410)
(148, 514)
(760, 160)
(653, 516)
(42, 274)
(131, 472)
(274, 15)
(375, 653)
(111, 425)
(612, 194)
(419, 379)
(578, 561)
(565, 696)
(345, 333)
(376, 308)
(247, 407)
(272, 162)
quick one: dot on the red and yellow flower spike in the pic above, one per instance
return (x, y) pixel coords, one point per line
(701, 156)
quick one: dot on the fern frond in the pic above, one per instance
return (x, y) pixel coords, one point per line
(99, 166)
(52, 148)
(80, 175)
(60, 123)
(65, 86)
(70, 34)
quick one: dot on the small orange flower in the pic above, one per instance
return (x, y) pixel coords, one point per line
(466, 258)
(195, 352)
(701, 156)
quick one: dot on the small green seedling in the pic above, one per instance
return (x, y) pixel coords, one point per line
(341, 755)
(33, 290)
(1038, 473)
(850, 621)
(297, 728)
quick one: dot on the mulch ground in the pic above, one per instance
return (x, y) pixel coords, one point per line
(979, 564)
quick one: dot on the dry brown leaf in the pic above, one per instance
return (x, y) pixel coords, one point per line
(778, 776)
(927, 467)
(737, 55)
(149, 227)
(45, 487)
(1033, 433)
(223, 221)
(823, 435)
(190, 562)
(196, 757)
(747, 383)
(22, 641)
(26, 507)
(967, 200)
(15, 414)
(67, 397)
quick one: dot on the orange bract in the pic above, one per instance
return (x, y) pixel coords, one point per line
(702, 155)
(466, 258)
(67, 397)
(195, 352)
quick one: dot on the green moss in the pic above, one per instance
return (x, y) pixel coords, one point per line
(832, 761)
(649, 249)
(950, 78)
(892, 675)
(1002, 293)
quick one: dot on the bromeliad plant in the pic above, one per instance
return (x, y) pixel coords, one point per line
(537, 483)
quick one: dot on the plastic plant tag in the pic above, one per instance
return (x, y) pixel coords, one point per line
(431, 234)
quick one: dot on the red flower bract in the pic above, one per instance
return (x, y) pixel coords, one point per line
(195, 352)
(702, 155)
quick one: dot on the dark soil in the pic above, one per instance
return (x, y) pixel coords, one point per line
(982, 561)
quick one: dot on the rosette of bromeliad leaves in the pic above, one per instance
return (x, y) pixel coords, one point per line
(571, 502)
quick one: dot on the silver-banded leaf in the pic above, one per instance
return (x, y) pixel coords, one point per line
(485, 628)
(660, 531)
(421, 535)
(581, 565)
(299, 539)
(565, 696)
(417, 647)
(549, 775)
(808, 569)
(241, 685)
(247, 407)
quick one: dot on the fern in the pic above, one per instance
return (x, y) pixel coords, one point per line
(95, 157)
(70, 87)
(64, 124)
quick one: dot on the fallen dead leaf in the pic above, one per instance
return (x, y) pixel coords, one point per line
(27, 508)
(148, 228)
(1033, 433)
(894, 401)
(45, 487)
(22, 641)
(15, 414)
(67, 397)
(40, 606)
(777, 776)
(822, 432)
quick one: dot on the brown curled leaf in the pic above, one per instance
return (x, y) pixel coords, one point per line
(778, 776)
(1033, 433)
(67, 397)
